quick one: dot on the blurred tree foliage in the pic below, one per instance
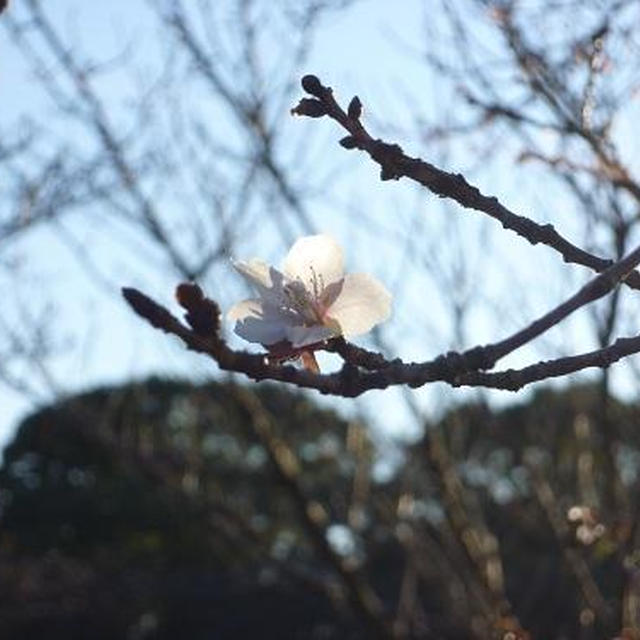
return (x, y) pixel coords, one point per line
(155, 510)
(151, 506)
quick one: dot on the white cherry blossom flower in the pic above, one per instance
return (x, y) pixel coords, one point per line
(310, 300)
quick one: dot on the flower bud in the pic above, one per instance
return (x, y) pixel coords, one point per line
(189, 295)
(204, 318)
(309, 107)
(355, 108)
(349, 142)
(311, 84)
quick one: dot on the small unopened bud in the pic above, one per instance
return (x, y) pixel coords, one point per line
(349, 142)
(203, 314)
(204, 318)
(355, 108)
(309, 107)
(189, 295)
(311, 84)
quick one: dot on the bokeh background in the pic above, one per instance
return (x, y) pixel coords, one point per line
(143, 494)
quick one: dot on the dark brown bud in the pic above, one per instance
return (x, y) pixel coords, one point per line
(189, 295)
(204, 318)
(309, 107)
(311, 84)
(349, 142)
(355, 108)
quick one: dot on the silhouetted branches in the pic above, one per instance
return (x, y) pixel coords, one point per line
(362, 370)
(395, 164)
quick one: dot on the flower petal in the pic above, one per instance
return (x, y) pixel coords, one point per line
(254, 271)
(300, 336)
(361, 304)
(257, 322)
(245, 309)
(315, 260)
(265, 279)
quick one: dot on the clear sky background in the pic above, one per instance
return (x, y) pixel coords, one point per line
(372, 49)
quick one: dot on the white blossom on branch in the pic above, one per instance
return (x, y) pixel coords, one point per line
(310, 300)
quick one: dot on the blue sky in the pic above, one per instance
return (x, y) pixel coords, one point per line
(371, 49)
(100, 31)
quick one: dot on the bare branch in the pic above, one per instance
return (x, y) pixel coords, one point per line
(364, 370)
(395, 164)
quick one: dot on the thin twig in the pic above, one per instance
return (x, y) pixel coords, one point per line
(396, 164)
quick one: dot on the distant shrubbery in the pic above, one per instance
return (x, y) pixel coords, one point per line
(153, 511)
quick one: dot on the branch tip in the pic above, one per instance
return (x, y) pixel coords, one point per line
(311, 84)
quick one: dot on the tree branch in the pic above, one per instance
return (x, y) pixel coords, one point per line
(395, 164)
(365, 370)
